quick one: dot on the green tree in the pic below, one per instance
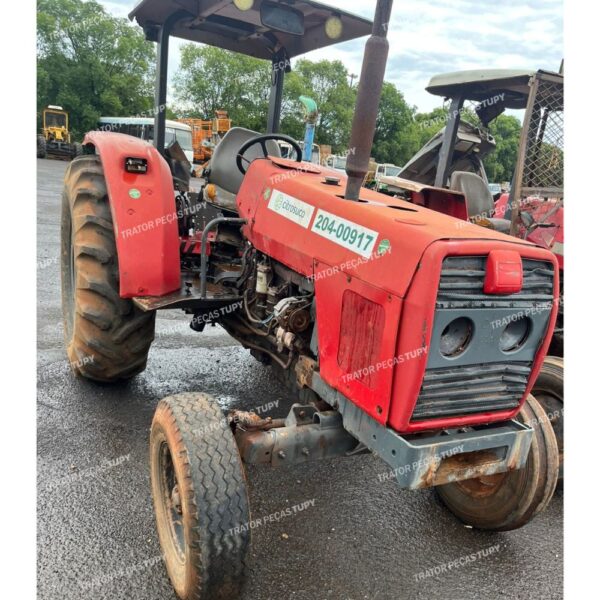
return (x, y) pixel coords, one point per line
(429, 124)
(211, 79)
(91, 63)
(396, 139)
(327, 83)
(500, 164)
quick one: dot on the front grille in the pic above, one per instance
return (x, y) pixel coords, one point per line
(475, 389)
(484, 378)
(461, 284)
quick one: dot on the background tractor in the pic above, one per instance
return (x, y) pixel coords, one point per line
(533, 208)
(55, 139)
(378, 313)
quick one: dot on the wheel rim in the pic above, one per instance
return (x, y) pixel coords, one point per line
(171, 500)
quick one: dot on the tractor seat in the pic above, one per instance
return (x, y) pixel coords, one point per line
(223, 169)
(480, 202)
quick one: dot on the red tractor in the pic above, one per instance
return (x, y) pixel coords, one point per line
(379, 313)
(451, 163)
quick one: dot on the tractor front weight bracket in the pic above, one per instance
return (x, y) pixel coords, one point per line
(306, 434)
(431, 459)
(414, 460)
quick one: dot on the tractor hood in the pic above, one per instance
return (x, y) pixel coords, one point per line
(302, 220)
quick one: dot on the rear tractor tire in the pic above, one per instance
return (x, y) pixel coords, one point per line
(107, 337)
(510, 500)
(41, 146)
(77, 149)
(200, 498)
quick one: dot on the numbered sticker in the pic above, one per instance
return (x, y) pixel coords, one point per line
(345, 233)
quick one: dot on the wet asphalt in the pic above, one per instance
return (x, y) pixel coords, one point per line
(360, 539)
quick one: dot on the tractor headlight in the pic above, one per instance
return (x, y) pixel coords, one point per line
(244, 4)
(456, 337)
(334, 27)
(515, 334)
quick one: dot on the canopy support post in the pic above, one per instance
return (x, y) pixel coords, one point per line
(447, 150)
(162, 64)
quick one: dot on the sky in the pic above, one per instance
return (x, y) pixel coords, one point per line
(428, 37)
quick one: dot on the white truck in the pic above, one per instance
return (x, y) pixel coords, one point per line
(385, 170)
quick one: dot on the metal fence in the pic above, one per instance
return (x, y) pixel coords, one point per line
(543, 139)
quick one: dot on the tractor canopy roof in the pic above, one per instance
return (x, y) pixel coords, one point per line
(482, 85)
(259, 28)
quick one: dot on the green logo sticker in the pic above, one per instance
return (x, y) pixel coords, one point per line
(291, 208)
(384, 246)
(267, 193)
(134, 193)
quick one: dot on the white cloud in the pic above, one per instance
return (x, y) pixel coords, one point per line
(432, 36)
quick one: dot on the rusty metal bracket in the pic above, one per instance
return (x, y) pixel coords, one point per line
(418, 461)
(305, 368)
(307, 434)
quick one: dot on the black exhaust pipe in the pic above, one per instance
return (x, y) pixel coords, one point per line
(367, 101)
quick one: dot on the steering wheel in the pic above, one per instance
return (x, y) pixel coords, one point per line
(262, 140)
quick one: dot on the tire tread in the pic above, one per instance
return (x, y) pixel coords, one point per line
(113, 329)
(217, 491)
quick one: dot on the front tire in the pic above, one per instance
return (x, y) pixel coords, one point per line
(548, 391)
(200, 499)
(41, 146)
(107, 337)
(510, 500)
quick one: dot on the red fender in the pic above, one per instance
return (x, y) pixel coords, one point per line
(144, 215)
